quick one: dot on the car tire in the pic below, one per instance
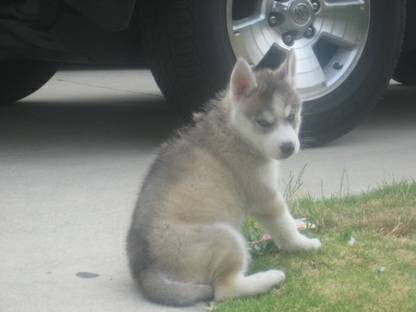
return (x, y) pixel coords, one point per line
(405, 72)
(189, 51)
(20, 78)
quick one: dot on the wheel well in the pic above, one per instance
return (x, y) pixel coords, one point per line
(409, 42)
(111, 15)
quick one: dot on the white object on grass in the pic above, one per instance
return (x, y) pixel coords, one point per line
(303, 224)
(352, 241)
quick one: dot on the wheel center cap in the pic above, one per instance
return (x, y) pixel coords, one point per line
(301, 12)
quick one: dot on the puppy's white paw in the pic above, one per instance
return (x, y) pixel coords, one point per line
(302, 243)
(313, 243)
(276, 277)
(271, 278)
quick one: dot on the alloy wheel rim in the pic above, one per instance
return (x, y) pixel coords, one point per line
(327, 38)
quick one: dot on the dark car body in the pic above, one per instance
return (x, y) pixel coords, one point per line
(98, 31)
(190, 46)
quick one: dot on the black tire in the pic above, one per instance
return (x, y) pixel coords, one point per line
(20, 78)
(405, 72)
(188, 49)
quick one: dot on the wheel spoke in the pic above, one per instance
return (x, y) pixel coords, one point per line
(252, 53)
(344, 7)
(239, 25)
(280, 6)
(309, 72)
(244, 30)
(273, 57)
(341, 38)
(344, 22)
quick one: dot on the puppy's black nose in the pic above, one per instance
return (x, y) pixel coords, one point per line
(287, 148)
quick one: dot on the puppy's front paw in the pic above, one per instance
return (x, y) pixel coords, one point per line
(302, 243)
(312, 243)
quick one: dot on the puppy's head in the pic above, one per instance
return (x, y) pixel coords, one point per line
(265, 108)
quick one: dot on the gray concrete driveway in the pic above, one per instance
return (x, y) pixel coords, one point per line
(71, 160)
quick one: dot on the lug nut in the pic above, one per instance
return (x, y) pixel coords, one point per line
(316, 5)
(275, 18)
(309, 32)
(338, 66)
(288, 39)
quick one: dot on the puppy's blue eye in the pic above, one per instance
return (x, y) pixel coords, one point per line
(291, 118)
(262, 123)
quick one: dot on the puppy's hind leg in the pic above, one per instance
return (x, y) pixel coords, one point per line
(239, 285)
(230, 279)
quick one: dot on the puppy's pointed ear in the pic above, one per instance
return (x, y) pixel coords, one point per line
(242, 79)
(287, 70)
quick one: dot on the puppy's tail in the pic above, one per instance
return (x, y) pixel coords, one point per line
(158, 288)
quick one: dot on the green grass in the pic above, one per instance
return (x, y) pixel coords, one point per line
(340, 277)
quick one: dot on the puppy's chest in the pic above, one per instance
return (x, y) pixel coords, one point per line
(268, 176)
(264, 183)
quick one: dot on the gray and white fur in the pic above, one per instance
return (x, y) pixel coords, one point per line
(184, 244)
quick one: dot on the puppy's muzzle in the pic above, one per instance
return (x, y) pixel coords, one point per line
(287, 149)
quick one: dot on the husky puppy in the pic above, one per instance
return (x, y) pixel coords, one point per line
(184, 244)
